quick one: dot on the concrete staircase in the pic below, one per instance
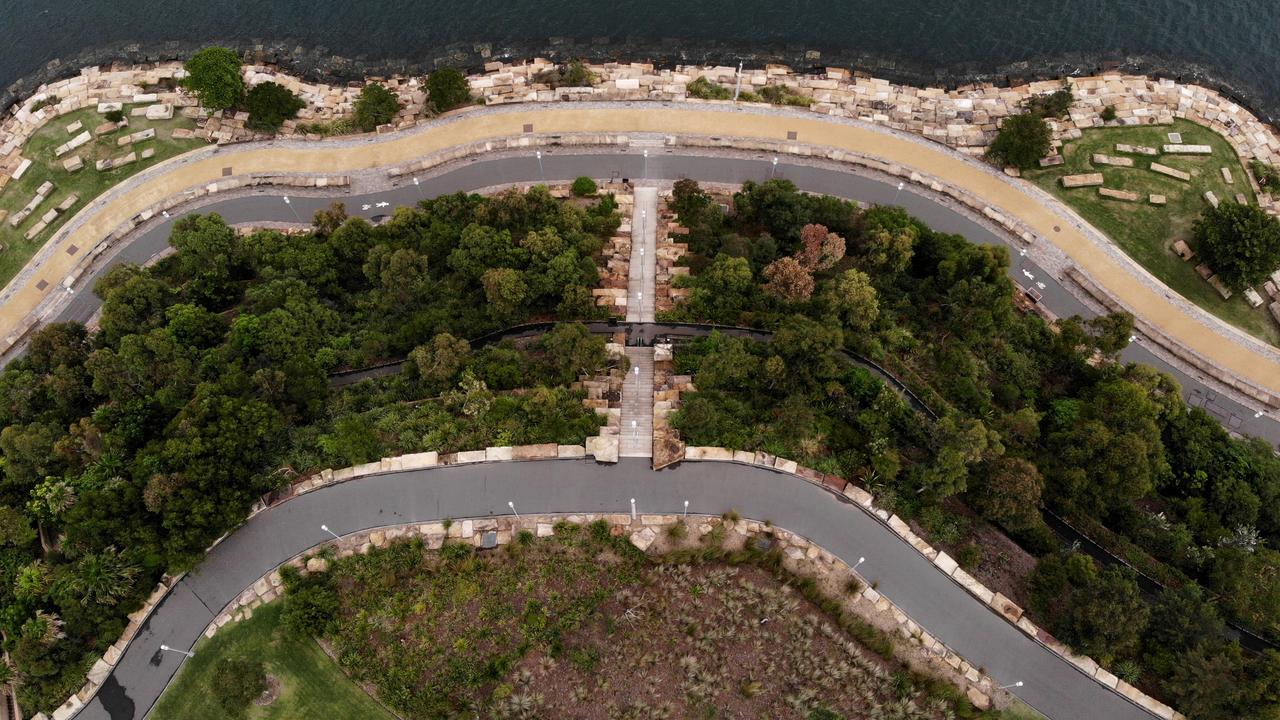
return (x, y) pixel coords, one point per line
(637, 405)
(643, 269)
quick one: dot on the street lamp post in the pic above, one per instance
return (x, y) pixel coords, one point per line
(773, 170)
(897, 193)
(633, 509)
(290, 204)
(737, 87)
(541, 172)
(645, 174)
(686, 510)
(511, 504)
(334, 534)
(855, 565)
(1010, 685)
(166, 648)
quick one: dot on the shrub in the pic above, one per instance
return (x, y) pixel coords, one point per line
(447, 89)
(584, 187)
(706, 90)
(1240, 242)
(375, 106)
(47, 101)
(783, 95)
(115, 116)
(270, 104)
(1022, 141)
(1108, 113)
(1054, 104)
(213, 76)
(236, 682)
(575, 74)
(1268, 176)
(969, 556)
(309, 608)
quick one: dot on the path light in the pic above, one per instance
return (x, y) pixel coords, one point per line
(166, 648)
(633, 501)
(334, 534)
(1011, 685)
(512, 505)
(290, 204)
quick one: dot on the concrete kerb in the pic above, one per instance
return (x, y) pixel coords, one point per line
(995, 602)
(323, 478)
(1014, 228)
(799, 554)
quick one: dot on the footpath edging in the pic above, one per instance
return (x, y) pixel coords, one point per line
(997, 602)
(606, 446)
(800, 556)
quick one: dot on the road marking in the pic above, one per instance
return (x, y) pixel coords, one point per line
(1028, 274)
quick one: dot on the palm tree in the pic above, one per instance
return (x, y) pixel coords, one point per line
(102, 577)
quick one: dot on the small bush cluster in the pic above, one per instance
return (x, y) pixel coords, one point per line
(704, 89)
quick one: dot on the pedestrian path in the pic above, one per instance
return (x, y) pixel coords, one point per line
(643, 251)
(637, 405)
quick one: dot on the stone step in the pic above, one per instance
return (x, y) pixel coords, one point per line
(636, 418)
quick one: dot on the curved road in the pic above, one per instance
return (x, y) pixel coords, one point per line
(818, 177)
(901, 573)
(941, 606)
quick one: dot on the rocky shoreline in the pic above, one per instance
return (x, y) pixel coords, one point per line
(316, 63)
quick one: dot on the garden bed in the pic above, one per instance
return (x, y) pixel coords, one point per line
(1146, 231)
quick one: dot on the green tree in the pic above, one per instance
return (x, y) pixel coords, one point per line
(1106, 616)
(1022, 141)
(506, 291)
(270, 104)
(375, 106)
(572, 351)
(1008, 492)
(584, 187)
(439, 361)
(721, 292)
(102, 577)
(447, 89)
(213, 76)
(1240, 242)
(853, 300)
(353, 440)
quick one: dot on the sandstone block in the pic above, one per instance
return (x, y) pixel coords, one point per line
(603, 448)
(1085, 180)
(72, 163)
(1171, 172)
(1128, 195)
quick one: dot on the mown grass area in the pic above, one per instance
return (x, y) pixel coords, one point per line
(86, 183)
(311, 685)
(1147, 232)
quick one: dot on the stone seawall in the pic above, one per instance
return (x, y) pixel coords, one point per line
(966, 118)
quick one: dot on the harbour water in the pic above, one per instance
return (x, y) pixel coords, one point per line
(1231, 45)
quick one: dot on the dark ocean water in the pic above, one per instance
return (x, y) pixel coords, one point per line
(1230, 44)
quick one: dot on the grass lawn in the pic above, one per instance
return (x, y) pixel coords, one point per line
(1146, 231)
(87, 183)
(311, 684)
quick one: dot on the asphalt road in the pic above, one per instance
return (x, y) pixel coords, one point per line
(672, 165)
(945, 609)
(901, 573)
